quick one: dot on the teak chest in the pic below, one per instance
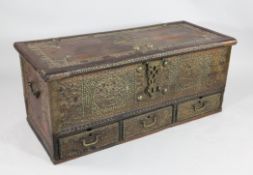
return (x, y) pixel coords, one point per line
(88, 92)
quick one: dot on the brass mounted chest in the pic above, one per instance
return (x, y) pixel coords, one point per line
(89, 92)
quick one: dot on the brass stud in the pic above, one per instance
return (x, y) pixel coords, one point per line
(140, 97)
(139, 69)
(56, 42)
(165, 63)
(150, 46)
(165, 90)
(137, 48)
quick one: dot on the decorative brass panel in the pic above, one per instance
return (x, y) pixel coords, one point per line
(92, 97)
(88, 141)
(198, 106)
(85, 99)
(147, 123)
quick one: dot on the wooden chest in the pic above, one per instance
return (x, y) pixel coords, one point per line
(89, 92)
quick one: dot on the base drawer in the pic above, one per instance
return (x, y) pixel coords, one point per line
(198, 106)
(146, 123)
(88, 141)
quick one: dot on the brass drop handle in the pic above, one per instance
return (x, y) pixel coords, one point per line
(35, 91)
(199, 105)
(85, 144)
(148, 125)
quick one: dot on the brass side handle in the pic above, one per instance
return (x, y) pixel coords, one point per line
(148, 125)
(200, 105)
(35, 91)
(87, 144)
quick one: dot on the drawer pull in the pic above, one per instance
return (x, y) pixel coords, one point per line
(199, 106)
(85, 144)
(148, 125)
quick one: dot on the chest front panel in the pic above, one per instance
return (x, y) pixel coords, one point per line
(97, 96)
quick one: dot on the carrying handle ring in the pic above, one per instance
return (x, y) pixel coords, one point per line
(35, 91)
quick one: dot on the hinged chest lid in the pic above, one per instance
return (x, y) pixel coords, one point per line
(62, 57)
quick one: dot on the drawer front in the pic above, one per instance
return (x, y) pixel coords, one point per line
(88, 141)
(97, 96)
(198, 106)
(147, 123)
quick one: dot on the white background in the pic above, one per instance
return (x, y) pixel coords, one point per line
(219, 144)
